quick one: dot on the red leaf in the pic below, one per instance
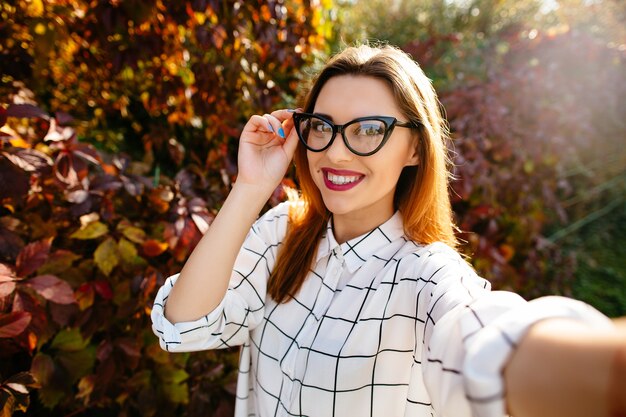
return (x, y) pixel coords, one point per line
(153, 247)
(29, 160)
(6, 287)
(14, 323)
(104, 289)
(32, 257)
(6, 272)
(53, 289)
(26, 111)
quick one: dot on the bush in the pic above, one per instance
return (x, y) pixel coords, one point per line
(535, 102)
(97, 209)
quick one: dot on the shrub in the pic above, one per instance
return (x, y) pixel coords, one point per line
(535, 102)
(97, 209)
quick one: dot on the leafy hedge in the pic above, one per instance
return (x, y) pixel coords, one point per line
(536, 100)
(100, 206)
(533, 142)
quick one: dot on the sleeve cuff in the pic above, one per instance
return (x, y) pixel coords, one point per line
(171, 335)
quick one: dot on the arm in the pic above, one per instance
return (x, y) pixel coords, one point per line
(565, 368)
(263, 160)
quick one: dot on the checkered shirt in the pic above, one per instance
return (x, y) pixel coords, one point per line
(382, 326)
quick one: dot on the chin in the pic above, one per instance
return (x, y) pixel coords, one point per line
(338, 207)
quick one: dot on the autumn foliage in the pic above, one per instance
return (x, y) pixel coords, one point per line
(118, 142)
(115, 152)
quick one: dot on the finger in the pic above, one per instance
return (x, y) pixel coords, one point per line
(258, 123)
(284, 114)
(275, 124)
(291, 142)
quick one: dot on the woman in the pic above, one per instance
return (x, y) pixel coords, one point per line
(352, 300)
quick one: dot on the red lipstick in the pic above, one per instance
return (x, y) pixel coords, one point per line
(354, 179)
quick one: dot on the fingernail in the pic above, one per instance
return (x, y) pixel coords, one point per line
(271, 128)
(291, 110)
(281, 133)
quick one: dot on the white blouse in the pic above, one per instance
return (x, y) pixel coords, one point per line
(382, 326)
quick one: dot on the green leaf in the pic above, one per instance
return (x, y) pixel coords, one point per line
(177, 393)
(93, 230)
(58, 262)
(173, 384)
(78, 364)
(107, 256)
(69, 340)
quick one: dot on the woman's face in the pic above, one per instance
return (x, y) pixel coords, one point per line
(360, 188)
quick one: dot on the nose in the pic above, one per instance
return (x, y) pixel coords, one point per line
(338, 151)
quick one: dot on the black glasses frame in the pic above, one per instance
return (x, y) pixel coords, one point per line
(389, 121)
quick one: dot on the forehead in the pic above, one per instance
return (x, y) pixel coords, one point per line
(346, 97)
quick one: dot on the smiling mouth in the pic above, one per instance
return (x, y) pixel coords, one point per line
(342, 179)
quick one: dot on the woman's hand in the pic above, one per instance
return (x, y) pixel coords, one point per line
(564, 368)
(266, 147)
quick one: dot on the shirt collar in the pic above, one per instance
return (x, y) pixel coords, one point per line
(358, 250)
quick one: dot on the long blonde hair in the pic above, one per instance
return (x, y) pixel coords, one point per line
(422, 192)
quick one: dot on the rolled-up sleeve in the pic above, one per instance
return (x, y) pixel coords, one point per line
(242, 307)
(474, 336)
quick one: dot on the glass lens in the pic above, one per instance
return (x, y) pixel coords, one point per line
(365, 136)
(315, 132)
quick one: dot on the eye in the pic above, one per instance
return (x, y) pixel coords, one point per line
(369, 129)
(320, 126)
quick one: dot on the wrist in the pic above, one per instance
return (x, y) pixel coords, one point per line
(252, 194)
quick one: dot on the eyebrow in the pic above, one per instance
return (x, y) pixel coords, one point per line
(326, 116)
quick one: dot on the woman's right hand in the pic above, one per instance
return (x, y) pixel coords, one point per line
(265, 154)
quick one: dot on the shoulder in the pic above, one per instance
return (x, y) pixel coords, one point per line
(272, 225)
(437, 262)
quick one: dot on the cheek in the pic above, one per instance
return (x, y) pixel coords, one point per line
(312, 159)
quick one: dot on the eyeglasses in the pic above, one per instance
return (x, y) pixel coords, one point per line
(363, 136)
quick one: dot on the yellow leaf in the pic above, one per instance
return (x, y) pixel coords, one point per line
(127, 251)
(91, 231)
(106, 256)
(134, 234)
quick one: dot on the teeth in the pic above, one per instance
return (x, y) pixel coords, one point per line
(340, 179)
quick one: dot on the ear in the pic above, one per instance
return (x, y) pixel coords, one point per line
(412, 158)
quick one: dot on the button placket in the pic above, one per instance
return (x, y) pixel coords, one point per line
(305, 338)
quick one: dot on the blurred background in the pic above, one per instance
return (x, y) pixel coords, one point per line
(120, 121)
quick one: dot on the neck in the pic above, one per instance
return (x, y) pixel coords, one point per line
(349, 226)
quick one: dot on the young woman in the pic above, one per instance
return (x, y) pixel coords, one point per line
(352, 301)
